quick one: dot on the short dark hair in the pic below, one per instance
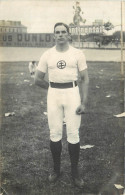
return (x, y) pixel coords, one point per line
(61, 24)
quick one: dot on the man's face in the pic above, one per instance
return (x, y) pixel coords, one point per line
(61, 34)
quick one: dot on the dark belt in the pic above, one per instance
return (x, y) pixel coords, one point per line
(63, 85)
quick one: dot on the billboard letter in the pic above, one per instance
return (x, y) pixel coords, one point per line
(19, 37)
(9, 37)
(27, 37)
(41, 38)
(4, 38)
(47, 38)
(34, 38)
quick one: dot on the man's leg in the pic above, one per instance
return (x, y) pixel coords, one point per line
(56, 148)
(73, 122)
(55, 120)
(74, 150)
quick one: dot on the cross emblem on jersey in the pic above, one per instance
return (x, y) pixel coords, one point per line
(61, 64)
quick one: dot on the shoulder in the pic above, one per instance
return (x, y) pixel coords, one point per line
(77, 52)
(50, 49)
(48, 52)
(76, 49)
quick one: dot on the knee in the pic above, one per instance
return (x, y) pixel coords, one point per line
(55, 136)
(73, 137)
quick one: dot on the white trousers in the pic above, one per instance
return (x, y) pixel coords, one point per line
(60, 103)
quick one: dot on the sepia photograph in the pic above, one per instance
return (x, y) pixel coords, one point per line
(62, 97)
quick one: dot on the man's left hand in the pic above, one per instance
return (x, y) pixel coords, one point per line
(80, 110)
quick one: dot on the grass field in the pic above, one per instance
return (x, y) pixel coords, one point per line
(26, 158)
(32, 53)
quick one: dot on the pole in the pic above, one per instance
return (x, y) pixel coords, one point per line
(78, 28)
(122, 68)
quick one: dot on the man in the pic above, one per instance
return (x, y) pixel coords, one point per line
(63, 63)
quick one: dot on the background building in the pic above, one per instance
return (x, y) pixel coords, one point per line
(98, 23)
(12, 27)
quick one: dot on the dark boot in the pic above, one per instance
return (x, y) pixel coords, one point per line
(56, 148)
(74, 150)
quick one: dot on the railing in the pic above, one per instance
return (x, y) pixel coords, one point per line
(95, 45)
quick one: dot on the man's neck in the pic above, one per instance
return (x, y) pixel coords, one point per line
(62, 48)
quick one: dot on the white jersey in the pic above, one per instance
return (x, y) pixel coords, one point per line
(32, 67)
(62, 67)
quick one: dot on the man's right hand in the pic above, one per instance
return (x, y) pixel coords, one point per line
(80, 110)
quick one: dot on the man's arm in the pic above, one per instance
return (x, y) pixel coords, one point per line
(39, 79)
(83, 85)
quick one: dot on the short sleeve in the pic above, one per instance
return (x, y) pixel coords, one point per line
(81, 61)
(42, 65)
